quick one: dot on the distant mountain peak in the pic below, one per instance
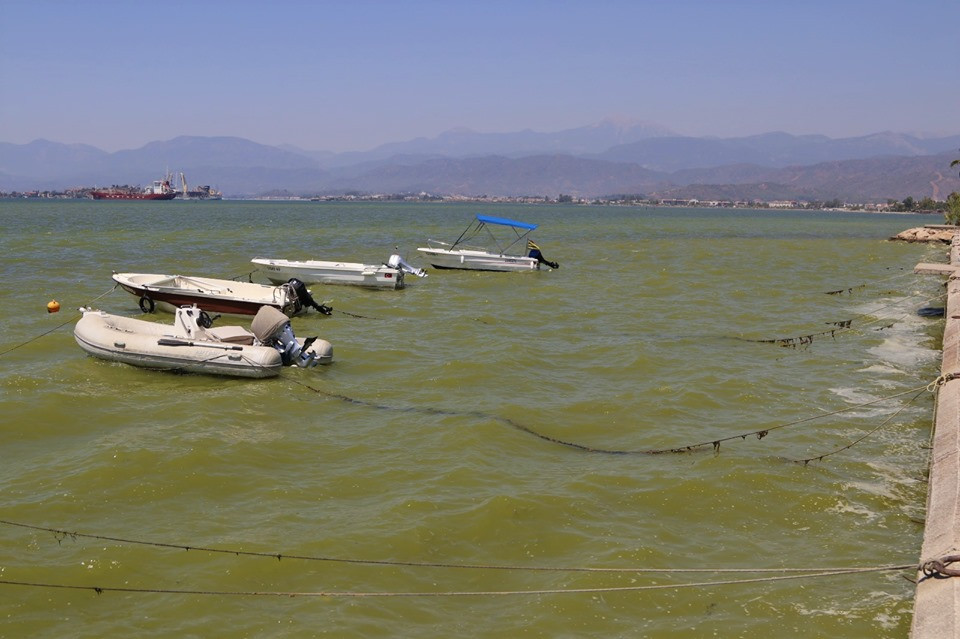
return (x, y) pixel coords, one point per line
(615, 155)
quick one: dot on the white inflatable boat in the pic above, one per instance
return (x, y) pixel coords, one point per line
(193, 345)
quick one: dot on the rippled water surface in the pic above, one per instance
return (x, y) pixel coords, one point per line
(478, 419)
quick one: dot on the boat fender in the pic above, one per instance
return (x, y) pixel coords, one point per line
(146, 304)
(931, 311)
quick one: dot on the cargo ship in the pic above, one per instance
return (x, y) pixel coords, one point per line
(159, 190)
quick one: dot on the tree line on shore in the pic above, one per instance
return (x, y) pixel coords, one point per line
(953, 202)
(926, 204)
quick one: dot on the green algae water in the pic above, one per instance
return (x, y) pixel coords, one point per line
(479, 420)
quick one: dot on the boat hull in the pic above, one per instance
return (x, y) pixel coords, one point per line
(328, 272)
(118, 195)
(138, 343)
(470, 260)
(170, 292)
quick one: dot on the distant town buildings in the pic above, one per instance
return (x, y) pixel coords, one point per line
(617, 200)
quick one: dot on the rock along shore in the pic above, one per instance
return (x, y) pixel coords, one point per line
(930, 233)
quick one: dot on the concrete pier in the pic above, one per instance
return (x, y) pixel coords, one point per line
(935, 269)
(937, 602)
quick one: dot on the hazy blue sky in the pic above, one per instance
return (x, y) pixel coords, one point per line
(355, 74)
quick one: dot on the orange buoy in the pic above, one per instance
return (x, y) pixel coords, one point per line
(53, 306)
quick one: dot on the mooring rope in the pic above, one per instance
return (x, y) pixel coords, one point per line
(843, 325)
(937, 385)
(249, 276)
(336, 310)
(61, 534)
(714, 443)
(43, 334)
(104, 294)
(902, 274)
(73, 319)
(860, 439)
(458, 593)
(937, 568)
(848, 291)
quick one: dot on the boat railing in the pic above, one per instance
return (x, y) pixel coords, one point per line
(437, 244)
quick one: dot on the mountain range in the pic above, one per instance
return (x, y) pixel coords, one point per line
(598, 160)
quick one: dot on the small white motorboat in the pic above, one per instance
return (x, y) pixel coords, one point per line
(192, 345)
(496, 256)
(387, 275)
(170, 292)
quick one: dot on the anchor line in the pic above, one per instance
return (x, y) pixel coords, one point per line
(866, 435)
(457, 593)
(249, 276)
(61, 534)
(842, 326)
(849, 290)
(714, 443)
(73, 319)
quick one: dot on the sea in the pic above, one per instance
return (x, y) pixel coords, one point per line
(705, 422)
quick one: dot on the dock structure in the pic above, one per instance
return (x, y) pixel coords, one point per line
(936, 610)
(935, 269)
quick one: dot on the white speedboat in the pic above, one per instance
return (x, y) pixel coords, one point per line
(193, 345)
(170, 292)
(496, 255)
(387, 275)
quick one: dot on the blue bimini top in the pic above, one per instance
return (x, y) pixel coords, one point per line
(505, 222)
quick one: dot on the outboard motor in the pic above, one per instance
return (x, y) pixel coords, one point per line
(399, 263)
(273, 328)
(300, 290)
(537, 255)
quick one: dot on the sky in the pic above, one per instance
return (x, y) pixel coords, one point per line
(351, 75)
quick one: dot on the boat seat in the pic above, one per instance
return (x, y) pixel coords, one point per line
(232, 335)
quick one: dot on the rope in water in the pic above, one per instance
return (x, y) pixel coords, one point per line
(843, 326)
(61, 534)
(248, 276)
(45, 333)
(336, 310)
(865, 436)
(714, 443)
(460, 593)
(849, 291)
(58, 326)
